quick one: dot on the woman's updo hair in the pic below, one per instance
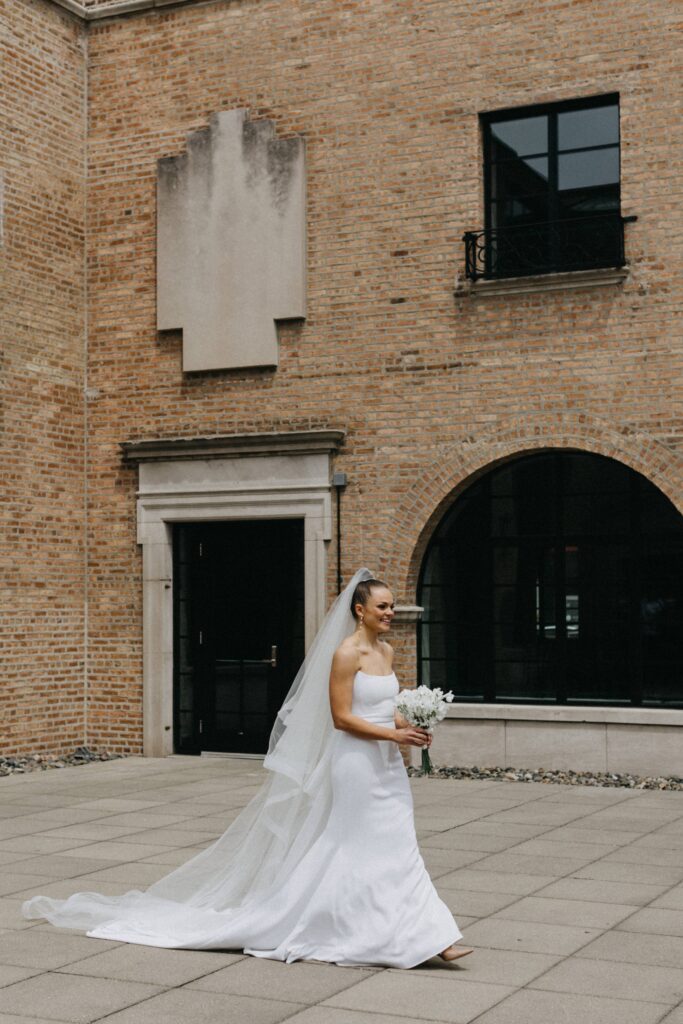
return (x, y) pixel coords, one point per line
(362, 593)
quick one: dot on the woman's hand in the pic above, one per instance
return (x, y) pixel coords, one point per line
(413, 736)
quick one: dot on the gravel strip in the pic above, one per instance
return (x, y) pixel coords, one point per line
(83, 755)
(565, 776)
(37, 762)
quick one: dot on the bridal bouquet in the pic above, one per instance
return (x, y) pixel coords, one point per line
(423, 707)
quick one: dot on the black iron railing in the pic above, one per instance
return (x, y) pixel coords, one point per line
(581, 243)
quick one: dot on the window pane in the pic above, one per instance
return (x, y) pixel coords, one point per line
(523, 178)
(522, 136)
(594, 167)
(597, 126)
(585, 203)
(533, 611)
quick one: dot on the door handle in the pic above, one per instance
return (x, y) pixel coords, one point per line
(272, 660)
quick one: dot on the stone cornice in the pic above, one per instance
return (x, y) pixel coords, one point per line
(88, 14)
(568, 281)
(304, 442)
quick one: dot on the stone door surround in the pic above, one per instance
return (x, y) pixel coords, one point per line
(240, 476)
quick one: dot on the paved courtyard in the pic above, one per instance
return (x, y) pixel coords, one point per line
(572, 898)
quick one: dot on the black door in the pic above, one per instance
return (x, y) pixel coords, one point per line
(238, 630)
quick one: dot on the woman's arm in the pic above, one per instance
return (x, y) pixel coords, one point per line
(344, 667)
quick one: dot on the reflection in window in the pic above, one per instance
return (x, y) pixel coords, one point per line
(556, 578)
(549, 172)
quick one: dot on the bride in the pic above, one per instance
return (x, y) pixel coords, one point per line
(323, 863)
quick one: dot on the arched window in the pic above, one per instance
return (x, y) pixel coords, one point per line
(556, 578)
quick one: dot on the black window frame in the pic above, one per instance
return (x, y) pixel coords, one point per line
(640, 499)
(560, 239)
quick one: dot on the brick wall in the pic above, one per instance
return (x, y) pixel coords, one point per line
(387, 97)
(42, 125)
(429, 387)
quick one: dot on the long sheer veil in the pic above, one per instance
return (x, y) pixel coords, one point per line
(258, 850)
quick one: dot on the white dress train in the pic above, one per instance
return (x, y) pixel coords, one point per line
(360, 895)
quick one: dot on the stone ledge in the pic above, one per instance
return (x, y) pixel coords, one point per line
(565, 713)
(113, 10)
(541, 283)
(305, 442)
(407, 613)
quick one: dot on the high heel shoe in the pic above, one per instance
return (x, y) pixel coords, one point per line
(455, 952)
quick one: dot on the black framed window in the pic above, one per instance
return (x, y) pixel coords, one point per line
(556, 578)
(552, 189)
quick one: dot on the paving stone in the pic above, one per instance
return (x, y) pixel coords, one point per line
(476, 904)
(62, 889)
(151, 965)
(331, 1015)
(544, 847)
(513, 829)
(497, 966)
(617, 980)
(410, 993)
(192, 1006)
(675, 1017)
(626, 823)
(172, 837)
(62, 865)
(90, 831)
(534, 1007)
(531, 918)
(137, 873)
(664, 840)
(6, 858)
(296, 982)
(576, 833)
(639, 854)
(12, 882)
(454, 839)
(47, 950)
(601, 891)
(671, 900)
(136, 820)
(635, 948)
(211, 824)
(529, 936)
(70, 998)
(615, 871)
(547, 815)
(114, 805)
(172, 857)
(9, 975)
(558, 911)
(116, 851)
(440, 862)
(519, 863)
(436, 822)
(654, 921)
(10, 915)
(10, 1018)
(35, 844)
(472, 880)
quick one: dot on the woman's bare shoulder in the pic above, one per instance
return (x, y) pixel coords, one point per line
(389, 650)
(347, 656)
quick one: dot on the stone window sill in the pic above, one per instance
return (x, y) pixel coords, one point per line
(568, 713)
(541, 283)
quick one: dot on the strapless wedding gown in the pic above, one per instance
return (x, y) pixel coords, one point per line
(361, 895)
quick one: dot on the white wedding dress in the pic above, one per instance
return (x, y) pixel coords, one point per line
(359, 895)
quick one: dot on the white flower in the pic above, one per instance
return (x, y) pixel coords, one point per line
(423, 707)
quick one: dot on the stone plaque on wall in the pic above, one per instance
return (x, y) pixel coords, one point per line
(231, 241)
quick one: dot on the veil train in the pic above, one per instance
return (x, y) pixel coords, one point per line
(258, 851)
